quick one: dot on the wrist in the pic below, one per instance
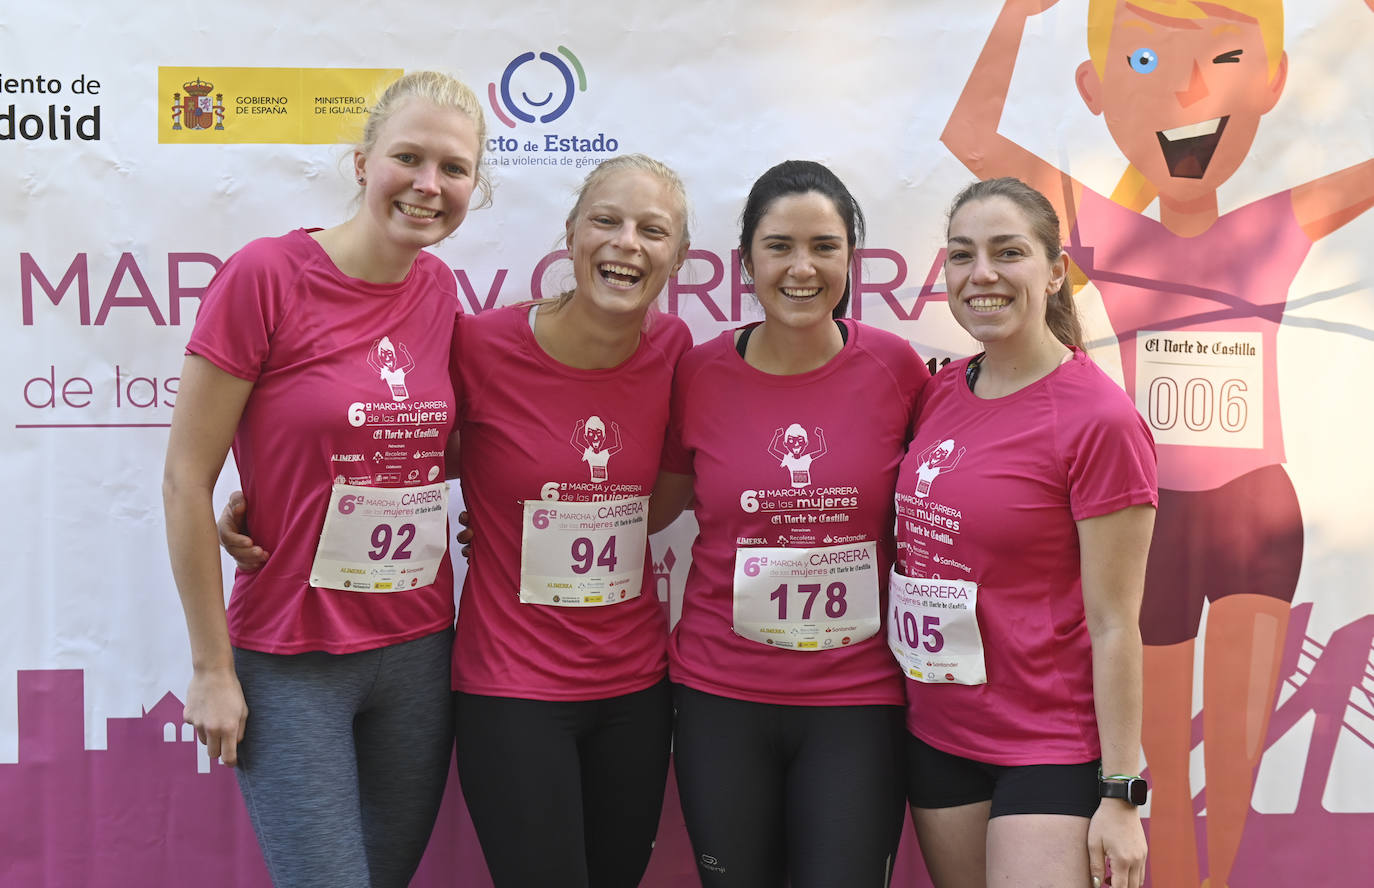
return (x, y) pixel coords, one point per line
(1130, 789)
(1122, 806)
(213, 667)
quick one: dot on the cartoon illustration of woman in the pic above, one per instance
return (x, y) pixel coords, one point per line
(589, 436)
(936, 458)
(1196, 300)
(792, 454)
(391, 369)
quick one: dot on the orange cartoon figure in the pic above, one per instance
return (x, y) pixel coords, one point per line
(1196, 300)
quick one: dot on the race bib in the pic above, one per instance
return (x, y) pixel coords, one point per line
(381, 539)
(933, 632)
(807, 599)
(1201, 388)
(583, 554)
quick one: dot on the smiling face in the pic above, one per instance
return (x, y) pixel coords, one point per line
(998, 275)
(1183, 97)
(795, 439)
(419, 175)
(799, 260)
(626, 236)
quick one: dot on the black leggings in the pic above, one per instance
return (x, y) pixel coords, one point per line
(565, 793)
(811, 796)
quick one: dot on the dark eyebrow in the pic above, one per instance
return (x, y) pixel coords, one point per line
(1232, 56)
(788, 238)
(995, 239)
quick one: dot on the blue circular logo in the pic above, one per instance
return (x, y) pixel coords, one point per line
(537, 88)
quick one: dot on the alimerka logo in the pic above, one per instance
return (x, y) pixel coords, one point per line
(197, 110)
(537, 85)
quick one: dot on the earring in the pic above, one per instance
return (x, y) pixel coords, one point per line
(362, 180)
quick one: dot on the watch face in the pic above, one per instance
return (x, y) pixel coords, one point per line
(1133, 789)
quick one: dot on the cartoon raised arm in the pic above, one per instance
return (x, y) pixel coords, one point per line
(774, 448)
(403, 358)
(821, 448)
(615, 436)
(579, 436)
(971, 133)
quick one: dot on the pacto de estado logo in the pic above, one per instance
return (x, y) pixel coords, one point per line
(538, 80)
(537, 89)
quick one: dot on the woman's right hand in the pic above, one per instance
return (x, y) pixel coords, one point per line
(216, 709)
(233, 534)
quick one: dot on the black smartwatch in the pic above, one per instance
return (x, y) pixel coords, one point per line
(1119, 786)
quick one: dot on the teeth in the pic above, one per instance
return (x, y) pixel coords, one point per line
(619, 269)
(1192, 130)
(794, 293)
(988, 303)
(417, 212)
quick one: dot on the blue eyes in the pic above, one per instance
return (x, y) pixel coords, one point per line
(1143, 60)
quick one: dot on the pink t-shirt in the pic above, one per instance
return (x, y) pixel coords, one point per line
(521, 414)
(350, 384)
(727, 420)
(989, 493)
(1197, 319)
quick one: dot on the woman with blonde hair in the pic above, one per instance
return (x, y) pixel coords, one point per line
(325, 682)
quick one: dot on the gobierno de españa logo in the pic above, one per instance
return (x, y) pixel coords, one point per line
(538, 89)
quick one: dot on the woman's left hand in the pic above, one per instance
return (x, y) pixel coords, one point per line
(466, 535)
(1116, 845)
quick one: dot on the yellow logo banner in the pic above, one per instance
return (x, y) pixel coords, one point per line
(236, 106)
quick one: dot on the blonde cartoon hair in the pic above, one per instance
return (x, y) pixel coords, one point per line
(1134, 191)
(441, 90)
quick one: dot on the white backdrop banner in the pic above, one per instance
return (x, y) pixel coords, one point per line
(147, 142)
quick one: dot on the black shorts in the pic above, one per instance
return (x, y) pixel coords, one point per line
(937, 779)
(1243, 537)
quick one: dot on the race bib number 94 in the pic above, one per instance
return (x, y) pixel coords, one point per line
(583, 554)
(933, 630)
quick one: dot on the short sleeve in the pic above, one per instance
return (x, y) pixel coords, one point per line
(1111, 462)
(242, 306)
(677, 456)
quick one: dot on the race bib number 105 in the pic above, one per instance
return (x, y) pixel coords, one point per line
(933, 629)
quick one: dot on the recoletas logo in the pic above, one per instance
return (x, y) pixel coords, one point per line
(537, 87)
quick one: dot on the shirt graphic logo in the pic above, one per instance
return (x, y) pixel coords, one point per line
(795, 454)
(589, 438)
(392, 363)
(935, 459)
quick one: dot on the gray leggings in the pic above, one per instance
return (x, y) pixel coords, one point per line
(344, 760)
